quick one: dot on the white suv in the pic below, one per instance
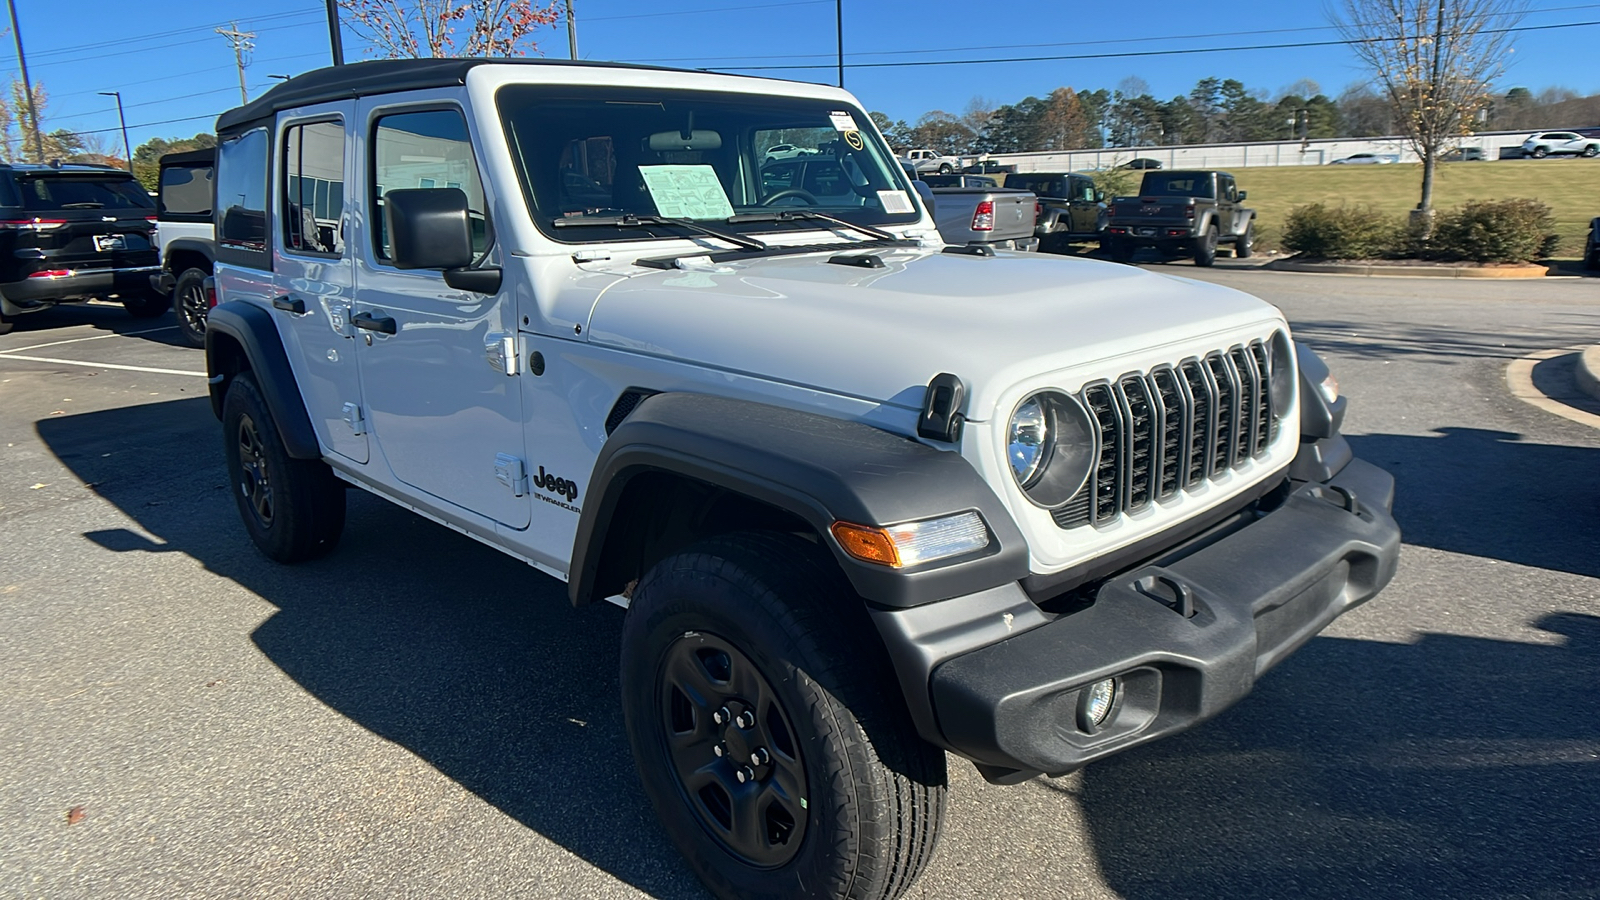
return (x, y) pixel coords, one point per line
(868, 499)
(1560, 143)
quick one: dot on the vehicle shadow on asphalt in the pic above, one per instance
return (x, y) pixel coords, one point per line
(1438, 343)
(1490, 494)
(1454, 767)
(465, 657)
(109, 318)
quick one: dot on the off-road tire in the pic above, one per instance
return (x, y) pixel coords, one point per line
(1539, 153)
(1119, 251)
(292, 508)
(146, 304)
(1244, 246)
(190, 306)
(6, 325)
(1205, 247)
(873, 790)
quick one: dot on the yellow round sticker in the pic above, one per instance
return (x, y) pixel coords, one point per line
(853, 138)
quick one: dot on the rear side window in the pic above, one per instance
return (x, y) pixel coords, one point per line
(186, 191)
(58, 192)
(242, 199)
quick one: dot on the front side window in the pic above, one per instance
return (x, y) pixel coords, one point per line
(591, 157)
(313, 188)
(427, 149)
(242, 191)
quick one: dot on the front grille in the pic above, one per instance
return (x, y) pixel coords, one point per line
(1171, 428)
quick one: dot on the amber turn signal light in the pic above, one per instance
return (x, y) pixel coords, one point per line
(867, 544)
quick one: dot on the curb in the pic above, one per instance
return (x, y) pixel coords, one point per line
(1519, 380)
(1406, 271)
(1587, 372)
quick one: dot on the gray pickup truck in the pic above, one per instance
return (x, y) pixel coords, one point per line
(1180, 213)
(1071, 209)
(997, 217)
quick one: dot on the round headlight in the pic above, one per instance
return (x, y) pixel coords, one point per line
(1283, 376)
(1027, 440)
(1050, 444)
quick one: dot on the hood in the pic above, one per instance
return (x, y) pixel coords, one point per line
(881, 334)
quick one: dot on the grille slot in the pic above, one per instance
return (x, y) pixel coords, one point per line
(1172, 428)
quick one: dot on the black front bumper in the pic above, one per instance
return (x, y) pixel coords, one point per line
(1015, 707)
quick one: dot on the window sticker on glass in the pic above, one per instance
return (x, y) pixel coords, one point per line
(895, 202)
(842, 121)
(689, 192)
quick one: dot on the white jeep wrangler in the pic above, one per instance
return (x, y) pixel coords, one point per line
(869, 499)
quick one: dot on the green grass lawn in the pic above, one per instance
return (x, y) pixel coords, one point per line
(1570, 187)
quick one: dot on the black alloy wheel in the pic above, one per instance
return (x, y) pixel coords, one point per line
(255, 473)
(733, 750)
(190, 306)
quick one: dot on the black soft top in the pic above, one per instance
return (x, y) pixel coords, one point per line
(378, 76)
(203, 156)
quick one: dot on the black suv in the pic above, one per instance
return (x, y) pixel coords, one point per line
(72, 233)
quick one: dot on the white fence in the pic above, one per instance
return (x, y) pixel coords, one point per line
(1239, 156)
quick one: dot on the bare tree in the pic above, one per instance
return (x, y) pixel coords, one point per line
(426, 28)
(1434, 61)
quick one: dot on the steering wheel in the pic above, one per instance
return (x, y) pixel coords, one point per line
(803, 194)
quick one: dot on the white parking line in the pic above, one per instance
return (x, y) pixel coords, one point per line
(100, 365)
(98, 337)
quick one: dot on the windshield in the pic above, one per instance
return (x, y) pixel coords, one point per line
(604, 153)
(53, 192)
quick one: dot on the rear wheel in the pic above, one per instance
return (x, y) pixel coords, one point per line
(292, 508)
(1245, 245)
(1205, 247)
(1119, 251)
(766, 735)
(6, 325)
(190, 305)
(146, 304)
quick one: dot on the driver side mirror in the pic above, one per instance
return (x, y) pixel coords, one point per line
(431, 228)
(1099, 196)
(1243, 195)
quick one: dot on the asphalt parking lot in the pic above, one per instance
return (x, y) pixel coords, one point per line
(420, 716)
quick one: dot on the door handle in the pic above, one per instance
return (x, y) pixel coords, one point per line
(290, 304)
(370, 322)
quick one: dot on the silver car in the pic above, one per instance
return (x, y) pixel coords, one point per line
(1364, 159)
(1560, 143)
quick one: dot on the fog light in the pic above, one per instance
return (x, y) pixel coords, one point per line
(1098, 700)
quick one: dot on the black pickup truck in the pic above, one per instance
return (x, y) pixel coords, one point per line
(1179, 213)
(1071, 210)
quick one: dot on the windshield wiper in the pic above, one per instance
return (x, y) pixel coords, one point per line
(630, 220)
(793, 215)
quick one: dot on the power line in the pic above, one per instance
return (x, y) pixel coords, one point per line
(185, 43)
(695, 12)
(75, 49)
(1129, 54)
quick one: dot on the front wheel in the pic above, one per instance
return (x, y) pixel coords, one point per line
(1539, 153)
(1205, 247)
(766, 728)
(292, 508)
(1245, 245)
(1591, 151)
(146, 304)
(190, 305)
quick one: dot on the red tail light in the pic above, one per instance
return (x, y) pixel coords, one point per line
(33, 224)
(52, 273)
(1038, 211)
(211, 296)
(983, 216)
(1188, 211)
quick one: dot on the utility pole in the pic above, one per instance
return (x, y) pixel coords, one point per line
(27, 86)
(241, 45)
(126, 147)
(572, 33)
(838, 20)
(335, 40)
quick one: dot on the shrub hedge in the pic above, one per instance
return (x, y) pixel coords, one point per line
(1485, 231)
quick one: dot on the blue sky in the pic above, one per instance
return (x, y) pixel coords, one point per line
(169, 64)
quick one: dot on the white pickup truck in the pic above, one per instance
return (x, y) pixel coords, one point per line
(869, 499)
(926, 162)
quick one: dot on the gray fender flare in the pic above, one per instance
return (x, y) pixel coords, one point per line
(252, 328)
(818, 468)
(202, 246)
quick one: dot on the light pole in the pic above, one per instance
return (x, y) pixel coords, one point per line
(27, 86)
(335, 41)
(126, 147)
(838, 21)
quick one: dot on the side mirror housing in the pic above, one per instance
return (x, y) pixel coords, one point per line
(925, 192)
(1099, 196)
(1244, 195)
(429, 228)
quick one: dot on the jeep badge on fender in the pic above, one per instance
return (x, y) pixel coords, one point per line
(825, 600)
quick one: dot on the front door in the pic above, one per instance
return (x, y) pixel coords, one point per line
(314, 273)
(438, 365)
(1085, 211)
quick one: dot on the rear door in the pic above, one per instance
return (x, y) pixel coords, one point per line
(84, 220)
